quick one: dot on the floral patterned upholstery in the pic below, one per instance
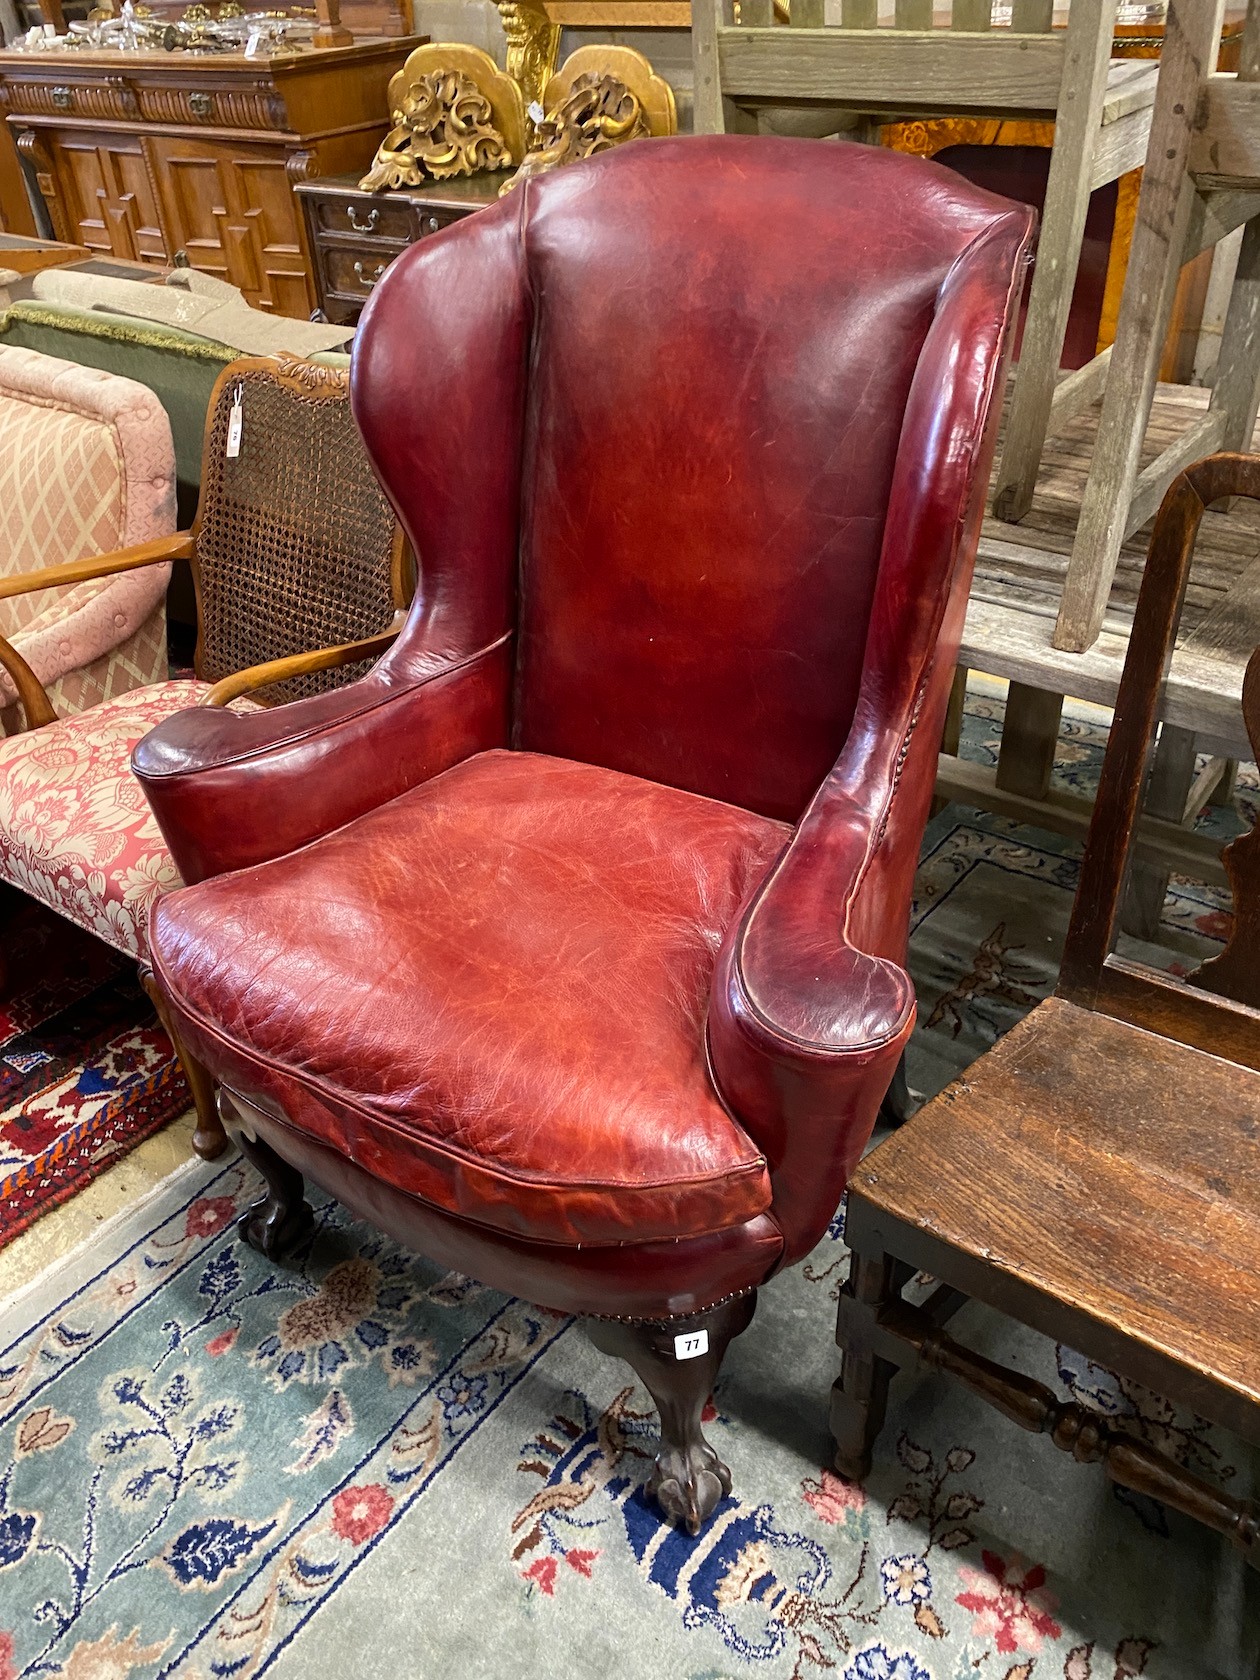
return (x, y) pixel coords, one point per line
(87, 465)
(76, 831)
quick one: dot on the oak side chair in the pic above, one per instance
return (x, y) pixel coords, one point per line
(567, 945)
(1096, 1175)
(293, 547)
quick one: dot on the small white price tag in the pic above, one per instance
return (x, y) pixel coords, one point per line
(253, 43)
(536, 112)
(235, 422)
(692, 1346)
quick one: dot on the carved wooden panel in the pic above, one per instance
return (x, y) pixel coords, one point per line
(232, 210)
(107, 197)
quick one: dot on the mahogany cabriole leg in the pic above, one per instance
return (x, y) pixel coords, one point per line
(689, 1479)
(859, 1395)
(209, 1138)
(278, 1221)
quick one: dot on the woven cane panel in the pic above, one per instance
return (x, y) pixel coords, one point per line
(296, 538)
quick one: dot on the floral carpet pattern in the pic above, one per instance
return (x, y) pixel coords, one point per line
(86, 1072)
(212, 1466)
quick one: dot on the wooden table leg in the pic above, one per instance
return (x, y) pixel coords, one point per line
(1030, 734)
(1172, 776)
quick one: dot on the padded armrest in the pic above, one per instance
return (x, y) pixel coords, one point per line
(230, 789)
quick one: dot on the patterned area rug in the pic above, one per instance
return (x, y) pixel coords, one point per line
(212, 1466)
(86, 1072)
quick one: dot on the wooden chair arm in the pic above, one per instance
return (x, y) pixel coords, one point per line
(177, 547)
(32, 696)
(301, 665)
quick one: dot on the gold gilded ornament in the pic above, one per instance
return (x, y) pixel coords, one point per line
(601, 96)
(454, 112)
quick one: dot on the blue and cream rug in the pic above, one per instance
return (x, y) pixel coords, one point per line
(354, 1464)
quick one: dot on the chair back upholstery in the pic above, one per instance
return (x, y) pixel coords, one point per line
(86, 466)
(296, 547)
(701, 358)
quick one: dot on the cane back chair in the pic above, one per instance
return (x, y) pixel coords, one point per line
(1096, 1174)
(293, 548)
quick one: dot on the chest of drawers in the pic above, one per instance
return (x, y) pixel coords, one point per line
(139, 155)
(353, 236)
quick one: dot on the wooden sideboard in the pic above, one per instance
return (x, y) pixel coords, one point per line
(355, 235)
(143, 155)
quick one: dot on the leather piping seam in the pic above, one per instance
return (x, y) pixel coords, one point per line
(325, 1093)
(302, 736)
(673, 1318)
(502, 1230)
(903, 752)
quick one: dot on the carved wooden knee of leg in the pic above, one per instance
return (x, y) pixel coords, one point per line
(677, 1361)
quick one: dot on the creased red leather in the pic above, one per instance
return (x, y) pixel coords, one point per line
(703, 428)
(637, 1280)
(491, 992)
(811, 1007)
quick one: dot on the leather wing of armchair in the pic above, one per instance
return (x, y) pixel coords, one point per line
(568, 944)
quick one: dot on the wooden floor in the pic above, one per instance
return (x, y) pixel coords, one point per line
(1019, 578)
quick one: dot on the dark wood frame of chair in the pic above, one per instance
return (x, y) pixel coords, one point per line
(1123, 1013)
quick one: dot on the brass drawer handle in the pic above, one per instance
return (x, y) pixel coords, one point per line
(366, 280)
(63, 98)
(367, 226)
(200, 104)
(431, 224)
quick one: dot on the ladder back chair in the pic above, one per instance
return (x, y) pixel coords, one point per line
(293, 548)
(1118, 1211)
(950, 61)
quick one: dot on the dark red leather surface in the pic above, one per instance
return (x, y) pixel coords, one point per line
(638, 1280)
(491, 992)
(702, 429)
(812, 1008)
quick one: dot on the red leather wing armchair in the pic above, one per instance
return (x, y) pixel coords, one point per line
(567, 944)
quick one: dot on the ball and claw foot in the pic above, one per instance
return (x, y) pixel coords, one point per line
(677, 1362)
(689, 1483)
(273, 1228)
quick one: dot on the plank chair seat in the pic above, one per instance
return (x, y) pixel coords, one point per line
(1096, 1175)
(1099, 1142)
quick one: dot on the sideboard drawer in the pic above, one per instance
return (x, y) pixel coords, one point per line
(353, 272)
(386, 219)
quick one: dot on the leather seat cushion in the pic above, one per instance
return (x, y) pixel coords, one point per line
(491, 993)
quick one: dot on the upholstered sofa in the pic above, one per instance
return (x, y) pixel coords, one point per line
(87, 465)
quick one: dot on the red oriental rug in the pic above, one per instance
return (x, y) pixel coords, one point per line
(86, 1071)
